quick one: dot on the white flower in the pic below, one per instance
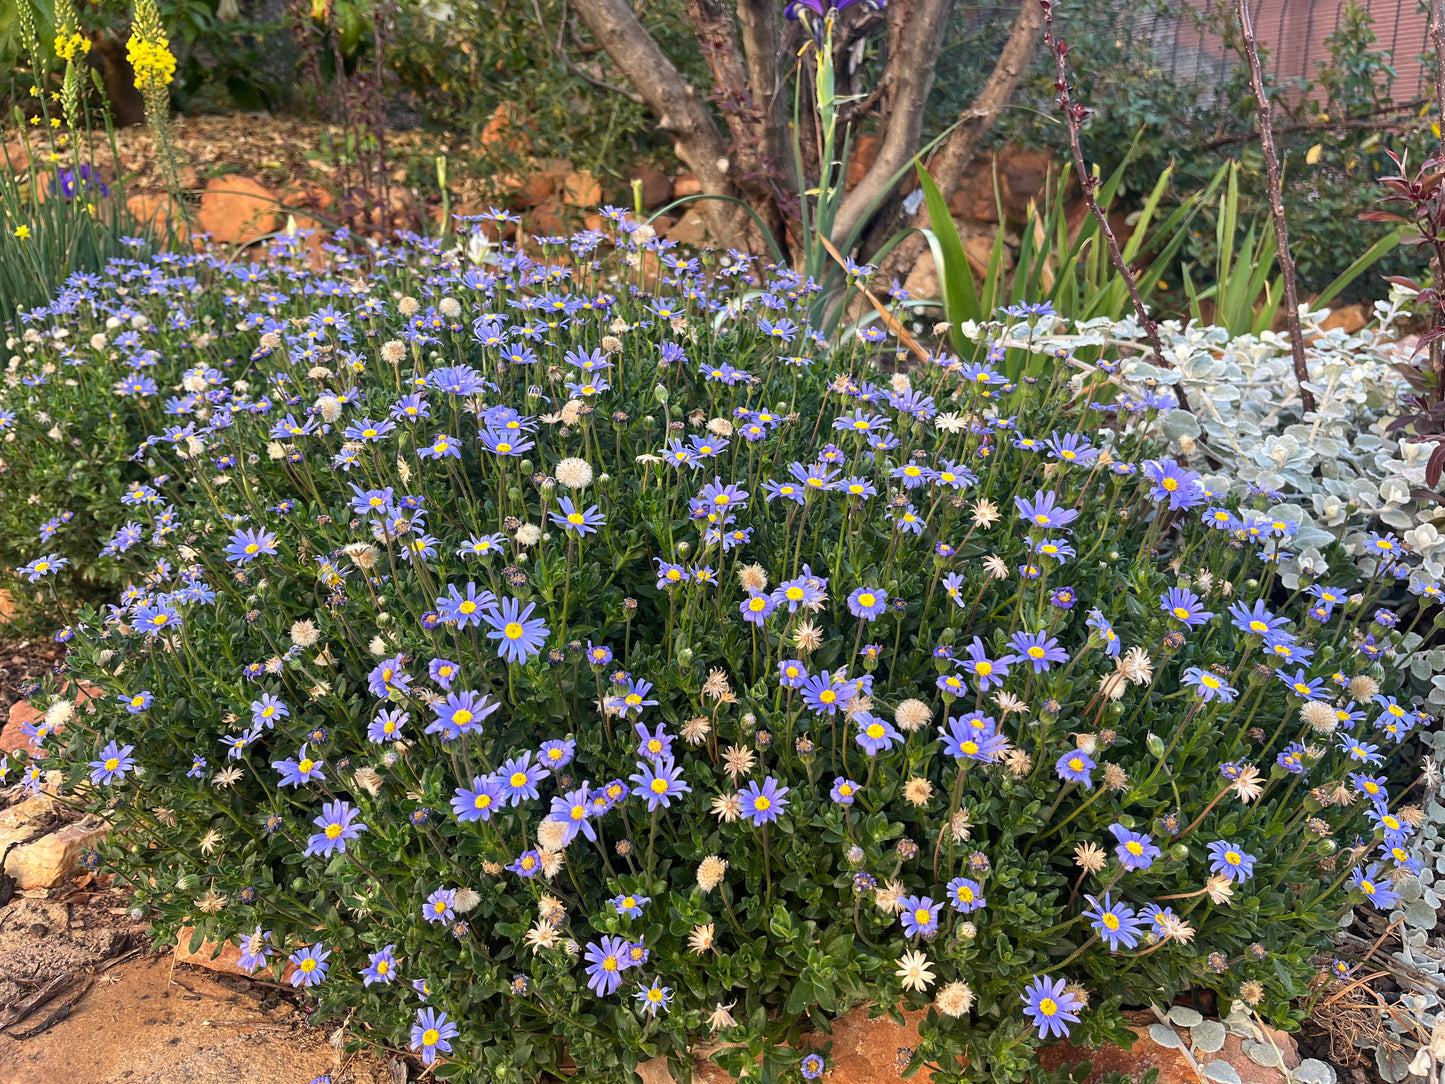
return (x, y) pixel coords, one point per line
(574, 473)
(915, 971)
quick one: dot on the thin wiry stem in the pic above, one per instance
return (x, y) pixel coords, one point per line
(1074, 114)
(1276, 204)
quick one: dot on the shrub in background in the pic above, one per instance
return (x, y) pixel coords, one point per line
(584, 659)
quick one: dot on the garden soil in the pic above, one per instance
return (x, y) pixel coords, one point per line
(118, 1015)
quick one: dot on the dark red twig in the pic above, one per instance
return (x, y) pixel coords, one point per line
(1074, 115)
(1276, 205)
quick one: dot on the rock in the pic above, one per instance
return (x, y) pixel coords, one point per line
(1233, 1052)
(224, 958)
(1173, 1064)
(24, 820)
(580, 189)
(1349, 318)
(12, 738)
(236, 209)
(690, 229)
(686, 184)
(656, 185)
(15, 157)
(546, 218)
(535, 188)
(159, 212)
(864, 1051)
(861, 159)
(1023, 173)
(979, 250)
(48, 861)
(872, 1051)
(973, 199)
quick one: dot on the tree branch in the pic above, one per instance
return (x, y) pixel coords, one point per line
(916, 37)
(1276, 204)
(668, 95)
(948, 168)
(763, 49)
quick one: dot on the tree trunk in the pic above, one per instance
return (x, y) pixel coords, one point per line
(916, 35)
(716, 29)
(697, 140)
(949, 166)
(763, 48)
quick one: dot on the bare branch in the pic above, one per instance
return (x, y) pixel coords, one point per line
(668, 95)
(916, 38)
(1074, 114)
(1276, 204)
(560, 52)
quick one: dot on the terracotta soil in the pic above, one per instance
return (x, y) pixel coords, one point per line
(140, 1023)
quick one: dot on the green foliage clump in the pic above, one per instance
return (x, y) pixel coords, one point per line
(580, 660)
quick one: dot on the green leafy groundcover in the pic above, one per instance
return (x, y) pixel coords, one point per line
(579, 658)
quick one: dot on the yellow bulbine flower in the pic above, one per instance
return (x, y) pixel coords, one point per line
(153, 63)
(149, 50)
(70, 46)
(69, 41)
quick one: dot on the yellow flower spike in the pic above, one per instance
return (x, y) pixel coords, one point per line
(149, 50)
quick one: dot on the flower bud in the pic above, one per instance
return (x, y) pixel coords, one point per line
(660, 393)
(1155, 744)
